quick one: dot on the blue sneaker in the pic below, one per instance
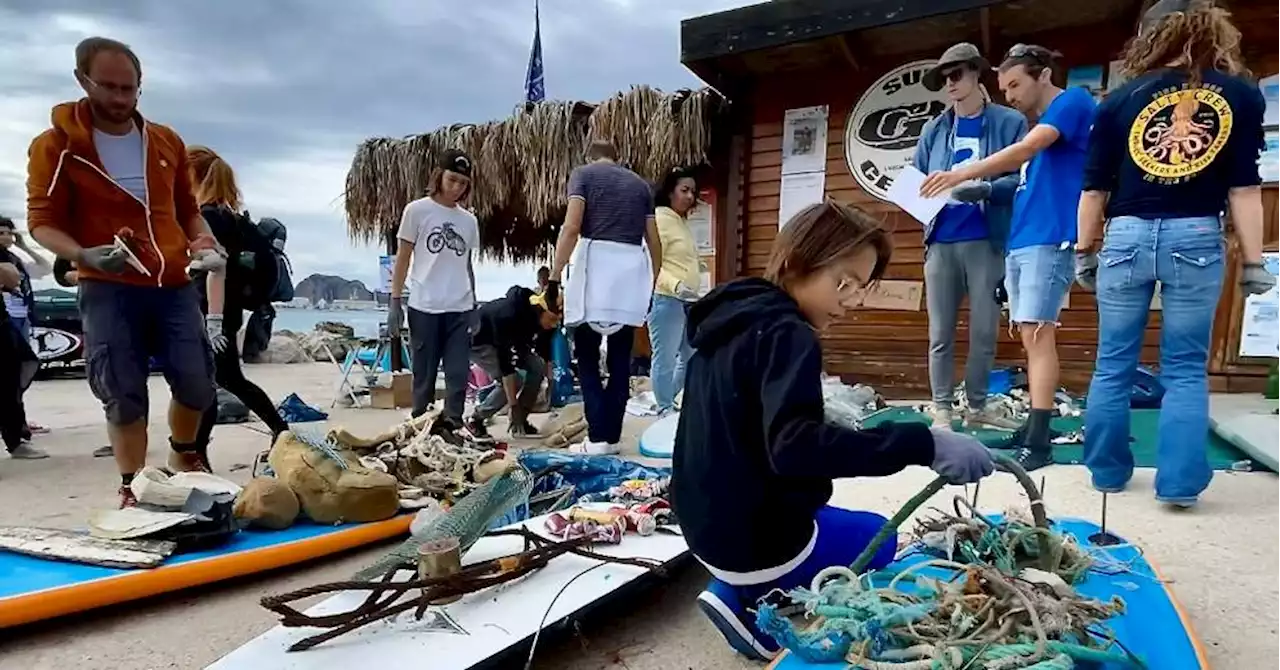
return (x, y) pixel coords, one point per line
(721, 604)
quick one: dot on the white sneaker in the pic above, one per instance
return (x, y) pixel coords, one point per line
(941, 417)
(595, 448)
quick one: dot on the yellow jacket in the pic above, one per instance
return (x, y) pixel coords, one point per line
(679, 253)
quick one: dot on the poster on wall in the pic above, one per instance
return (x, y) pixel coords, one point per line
(885, 124)
(799, 191)
(1088, 77)
(1270, 87)
(1260, 323)
(1269, 162)
(804, 140)
(702, 222)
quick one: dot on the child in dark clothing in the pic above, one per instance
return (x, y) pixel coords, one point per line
(754, 458)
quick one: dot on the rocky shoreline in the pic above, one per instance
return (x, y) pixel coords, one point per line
(287, 346)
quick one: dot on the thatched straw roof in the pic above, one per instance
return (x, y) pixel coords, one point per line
(522, 163)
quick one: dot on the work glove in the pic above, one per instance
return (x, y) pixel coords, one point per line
(1255, 280)
(960, 458)
(395, 317)
(1001, 295)
(213, 328)
(551, 297)
(1087, 271)
(207, 260)
(685, 293)
(106, 258)
(971, 191)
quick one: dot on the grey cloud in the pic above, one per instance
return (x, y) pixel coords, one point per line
(269, 81)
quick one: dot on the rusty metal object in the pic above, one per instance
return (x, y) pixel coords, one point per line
(439, 559)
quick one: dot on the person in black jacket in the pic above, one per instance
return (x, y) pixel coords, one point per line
(504, 347)
(219, 198)
(754, 457)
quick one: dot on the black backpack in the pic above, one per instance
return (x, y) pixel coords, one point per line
(267, 275)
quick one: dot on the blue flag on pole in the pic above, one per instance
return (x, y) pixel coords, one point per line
(534, 90)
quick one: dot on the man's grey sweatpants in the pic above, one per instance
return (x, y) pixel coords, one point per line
(434, 338)
(952, 271)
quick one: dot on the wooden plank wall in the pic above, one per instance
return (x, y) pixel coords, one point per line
(889, 349)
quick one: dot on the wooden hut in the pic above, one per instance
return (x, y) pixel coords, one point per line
(522, 163)
(849, 71)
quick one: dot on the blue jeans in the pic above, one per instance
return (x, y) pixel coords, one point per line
(671, 350)
(1037, 280)
(1187, 257)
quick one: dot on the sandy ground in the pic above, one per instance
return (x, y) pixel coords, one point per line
(1224, 558)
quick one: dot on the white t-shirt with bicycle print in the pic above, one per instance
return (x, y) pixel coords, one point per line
(443, 239)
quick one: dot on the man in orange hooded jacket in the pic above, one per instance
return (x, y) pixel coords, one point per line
(111, 192)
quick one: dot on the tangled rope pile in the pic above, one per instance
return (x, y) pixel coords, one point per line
(389, 597)
(993, 610)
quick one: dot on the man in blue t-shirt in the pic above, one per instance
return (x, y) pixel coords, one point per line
(1040, 264)
(964, 244)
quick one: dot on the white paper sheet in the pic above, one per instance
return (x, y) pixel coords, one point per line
(799, 191)
(905, 193)
(1260, 327)
(804, 140)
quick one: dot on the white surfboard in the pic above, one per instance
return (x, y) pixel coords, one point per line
(466, 633)
(659, 440)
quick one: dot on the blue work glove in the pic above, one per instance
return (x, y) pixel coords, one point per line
(960, 458)
(1255, 280)
(1087, 270)
(971, 191)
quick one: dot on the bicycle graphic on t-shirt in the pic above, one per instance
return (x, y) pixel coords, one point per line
(445, 236)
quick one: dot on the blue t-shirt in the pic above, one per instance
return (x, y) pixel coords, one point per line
(1046, 203)
(618, 202)
(963, 221)
(1164, 151)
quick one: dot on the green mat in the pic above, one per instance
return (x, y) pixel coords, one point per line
(1143, 427)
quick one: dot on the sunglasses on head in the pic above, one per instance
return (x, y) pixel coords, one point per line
(1040, 54)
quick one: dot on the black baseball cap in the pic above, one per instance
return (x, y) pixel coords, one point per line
(455, 160)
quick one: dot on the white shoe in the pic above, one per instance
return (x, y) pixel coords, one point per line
(941, 418)
(595, 448)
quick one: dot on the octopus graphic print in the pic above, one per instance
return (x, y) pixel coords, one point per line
(1180, 133)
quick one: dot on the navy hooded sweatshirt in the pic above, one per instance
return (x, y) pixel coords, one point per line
(754, 458)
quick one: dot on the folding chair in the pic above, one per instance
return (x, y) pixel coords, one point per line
(368, 365)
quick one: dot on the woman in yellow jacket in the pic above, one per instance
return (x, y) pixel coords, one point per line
(677, 288)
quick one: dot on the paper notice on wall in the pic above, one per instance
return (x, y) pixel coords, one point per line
(894, 294)
(799, 191)
(1269, 162)
(1260, 323)
(700, 225)
(1270, 87)
(804, 140)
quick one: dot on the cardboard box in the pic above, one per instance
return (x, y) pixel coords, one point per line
(399, 394)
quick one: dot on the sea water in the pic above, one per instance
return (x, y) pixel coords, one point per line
(364, 322)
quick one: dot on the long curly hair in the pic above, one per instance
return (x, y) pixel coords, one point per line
(212, 178)
(1198, 39)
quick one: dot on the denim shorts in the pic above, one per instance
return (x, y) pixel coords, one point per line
(1037, 280)
(125, 326)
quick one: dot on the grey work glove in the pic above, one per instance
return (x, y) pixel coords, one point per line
(213, 328)
(106, 258)
(395, 317)
(971, 191)
(960, 458)
(1087, 271)
(685, 293)
(207, 260)
(1255, 280)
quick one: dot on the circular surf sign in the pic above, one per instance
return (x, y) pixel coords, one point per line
(51, 344)
(883, 128)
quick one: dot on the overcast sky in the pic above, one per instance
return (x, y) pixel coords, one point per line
(286, 89)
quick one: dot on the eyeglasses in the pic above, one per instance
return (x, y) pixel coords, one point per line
(129, 91)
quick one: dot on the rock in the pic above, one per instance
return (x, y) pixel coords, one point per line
(267, 502)
(328, 493)
(314, 344)
(336, 328)
(283, 349)
(328, 288)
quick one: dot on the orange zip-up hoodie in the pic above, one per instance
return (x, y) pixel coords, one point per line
(69, 189)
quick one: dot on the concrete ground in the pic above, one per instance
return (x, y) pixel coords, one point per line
(1223, 558)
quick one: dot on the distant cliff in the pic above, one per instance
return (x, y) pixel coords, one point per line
(328, 288)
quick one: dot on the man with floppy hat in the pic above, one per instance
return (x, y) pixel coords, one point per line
(964, 244)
